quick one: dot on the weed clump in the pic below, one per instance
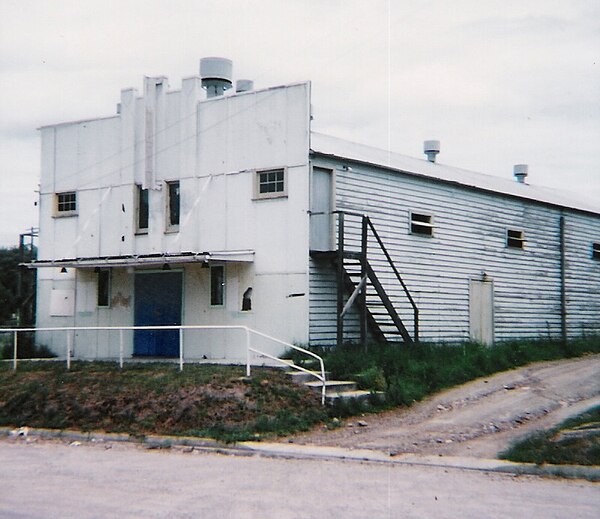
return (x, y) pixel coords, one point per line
(409, 373)
(574, 442)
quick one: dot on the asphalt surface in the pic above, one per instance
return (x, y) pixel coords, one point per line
(40, 479)
(434, 460)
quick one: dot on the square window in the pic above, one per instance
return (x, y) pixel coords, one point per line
(515, 239)
(596, 251)
(270, 184)
(173, 200)
(66, 203)
(103, 287)
(217, 285)
(421, 224)
(142, 209)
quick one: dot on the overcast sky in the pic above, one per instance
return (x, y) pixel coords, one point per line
(497, 82)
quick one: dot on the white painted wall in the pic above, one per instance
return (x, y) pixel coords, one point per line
(213, 147)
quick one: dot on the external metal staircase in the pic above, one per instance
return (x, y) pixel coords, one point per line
(366, 275)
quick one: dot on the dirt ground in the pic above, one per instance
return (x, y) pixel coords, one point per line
(478, 419)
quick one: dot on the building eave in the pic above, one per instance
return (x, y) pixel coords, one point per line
(146, 260)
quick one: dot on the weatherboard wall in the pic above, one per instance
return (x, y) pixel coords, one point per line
(582, 275)
(468, 243)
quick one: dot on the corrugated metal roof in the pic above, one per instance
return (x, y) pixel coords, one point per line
(333, 146)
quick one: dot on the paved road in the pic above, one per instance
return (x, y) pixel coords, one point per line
(51, 479)
(480, 418)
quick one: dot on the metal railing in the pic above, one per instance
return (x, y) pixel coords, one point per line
(248, 334)
(363, 228)
(367, 222)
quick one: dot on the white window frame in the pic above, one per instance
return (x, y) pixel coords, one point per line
(426, 226)
(271, 194)
(512, 240)
(57, 204)
(223, 286)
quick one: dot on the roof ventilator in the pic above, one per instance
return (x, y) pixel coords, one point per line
(431, 149)
(520, 172)
(216, 75)
(244, 85)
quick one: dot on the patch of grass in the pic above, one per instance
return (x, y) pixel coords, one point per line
(409, 373)
(574, 442)
(220, 402)
(215, 401)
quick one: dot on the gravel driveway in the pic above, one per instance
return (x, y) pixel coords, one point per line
(478, 419)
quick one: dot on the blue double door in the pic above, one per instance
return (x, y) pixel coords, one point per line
(157, 301)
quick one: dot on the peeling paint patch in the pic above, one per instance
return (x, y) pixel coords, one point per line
(120, 300)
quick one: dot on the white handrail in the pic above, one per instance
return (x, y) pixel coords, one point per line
(291, 364)
(248, 332)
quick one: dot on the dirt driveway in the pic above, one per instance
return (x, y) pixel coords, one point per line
(478, 419)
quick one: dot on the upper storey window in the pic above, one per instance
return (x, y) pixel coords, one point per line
(66, 203)
(421, 224)
(515, 239)
(596, 251)
(270, 183)
(142, 210)
(173, 206)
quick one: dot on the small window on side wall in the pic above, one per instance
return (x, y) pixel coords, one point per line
(596, 251)
(103, 287)
(515, 239)
(217, 285)
(142, 209)
(173, 200)
(66, 203)
(270, 183)
(421, 224)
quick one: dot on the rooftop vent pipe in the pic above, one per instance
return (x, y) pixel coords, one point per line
(520, 172)
(244, 85)
(216, 74)
(431, 149)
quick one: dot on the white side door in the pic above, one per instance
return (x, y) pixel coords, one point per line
(321, 205)
(481, 311)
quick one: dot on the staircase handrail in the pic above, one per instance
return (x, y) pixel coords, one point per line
(319, 376)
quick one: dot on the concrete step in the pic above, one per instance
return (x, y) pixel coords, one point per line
(357, 394)
(301, 376)
(332, 386)
(335, 390)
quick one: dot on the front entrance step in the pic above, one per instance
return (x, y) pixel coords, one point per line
(302, 376)
(358, 395)
(335, 390)
(332, 386)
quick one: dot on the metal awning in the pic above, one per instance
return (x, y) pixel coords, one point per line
(144, 260)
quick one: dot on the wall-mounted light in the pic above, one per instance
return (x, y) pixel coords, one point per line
(63, 270)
